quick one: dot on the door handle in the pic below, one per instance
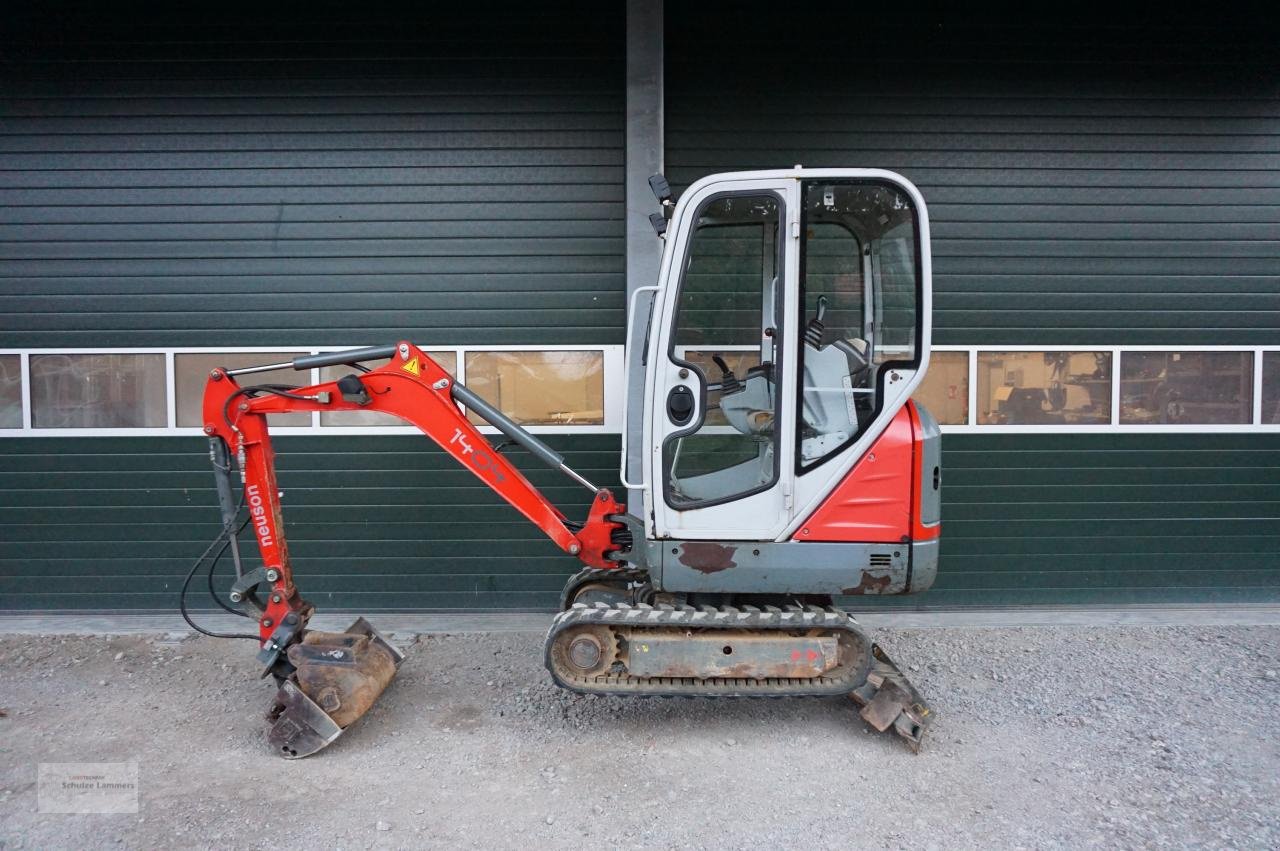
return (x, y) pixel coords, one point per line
(680, 405)
(628, 352)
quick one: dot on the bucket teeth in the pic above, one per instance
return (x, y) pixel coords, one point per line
(301, 727)
(337, 678)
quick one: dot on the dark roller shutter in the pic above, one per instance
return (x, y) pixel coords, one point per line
(1092, 178)
(189, 176)
(198, 181)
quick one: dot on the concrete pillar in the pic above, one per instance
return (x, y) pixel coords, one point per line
(644, 156)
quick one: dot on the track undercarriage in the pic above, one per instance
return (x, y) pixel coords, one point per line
(617, 636)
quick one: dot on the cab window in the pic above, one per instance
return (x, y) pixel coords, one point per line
(725, 334)
(860, 286)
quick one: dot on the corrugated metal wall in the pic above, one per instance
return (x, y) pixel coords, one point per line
(1091, 179)
(373, 523)
(114, 523)
(1109, 519)
(459, 180)
(204, 179)
(335, 175)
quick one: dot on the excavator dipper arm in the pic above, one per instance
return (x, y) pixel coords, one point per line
(339, 675)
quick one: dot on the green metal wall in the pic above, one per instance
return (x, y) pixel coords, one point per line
(1102, 180)
(190, 177)
(390, 523)
(373, 523)
(179, 176)
(1090, 178)
(459, 180)
(1109, 519)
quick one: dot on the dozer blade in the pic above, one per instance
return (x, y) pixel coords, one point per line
(338, 676)
(888, 699)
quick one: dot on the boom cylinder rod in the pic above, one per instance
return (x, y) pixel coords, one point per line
(578, 477)
(516, 432)
(266, 367)
(348, 356)
(322, 359)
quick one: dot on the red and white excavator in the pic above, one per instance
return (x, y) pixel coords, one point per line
(773, 461)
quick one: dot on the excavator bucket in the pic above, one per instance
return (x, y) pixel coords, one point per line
(337, 677)
(888, 699)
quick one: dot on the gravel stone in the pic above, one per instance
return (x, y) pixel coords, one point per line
(1062, 737)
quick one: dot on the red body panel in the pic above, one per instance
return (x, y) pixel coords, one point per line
(414, 388)
(878, 501)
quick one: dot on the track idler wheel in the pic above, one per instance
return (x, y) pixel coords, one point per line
(338, 677)
(589, 652)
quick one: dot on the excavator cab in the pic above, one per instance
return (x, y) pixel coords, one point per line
(790, 327)
(772, 459)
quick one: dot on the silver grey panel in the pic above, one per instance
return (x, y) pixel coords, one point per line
(930, 469)
(780, 568)
(924, 565)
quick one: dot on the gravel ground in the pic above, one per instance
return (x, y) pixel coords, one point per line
(1045, 737)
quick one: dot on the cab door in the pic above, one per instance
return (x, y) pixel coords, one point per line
(718, 437)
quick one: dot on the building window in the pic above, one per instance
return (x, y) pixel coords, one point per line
(191, 371)
(448, 360)
(1200, 388)
(1271, 388)
(10, 391)
(98, 391)
(540, 388)
(944, 393)
(1044, 388)
(738, 362)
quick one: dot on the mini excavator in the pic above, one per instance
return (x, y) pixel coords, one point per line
(773, 462)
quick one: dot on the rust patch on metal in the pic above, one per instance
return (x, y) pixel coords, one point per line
(869, 585)
(707, 557)
(730, 654)
(342, 672)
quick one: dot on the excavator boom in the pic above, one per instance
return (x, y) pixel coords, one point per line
(328, 680)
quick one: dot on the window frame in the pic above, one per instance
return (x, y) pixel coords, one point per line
(779, 351)
(1110, 354)
(613, 366)
(885, 367)
(167, 392)
(968, 376)
(1252, 406)
(24, 407)
(1255, 426)
(494, 399)
(615, 382)
(1259, 403)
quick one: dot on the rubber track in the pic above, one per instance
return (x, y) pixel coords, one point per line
(588, 575)
(708, 617)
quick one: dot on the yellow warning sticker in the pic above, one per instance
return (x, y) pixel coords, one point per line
(411, 366)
